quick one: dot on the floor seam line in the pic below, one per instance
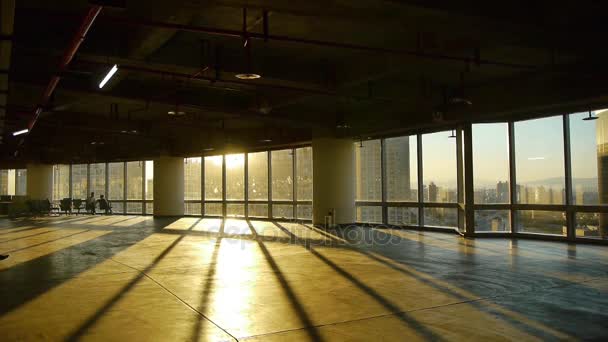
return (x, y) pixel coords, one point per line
(178, 298)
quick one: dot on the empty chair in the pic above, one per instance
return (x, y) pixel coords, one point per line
(66, 205)
(77, 205)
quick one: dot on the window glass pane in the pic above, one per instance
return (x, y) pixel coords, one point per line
(541, 222)
(116, 178)
(589, 151)
(282, 175)
(258, 175)
(117, 207)
(134, 180)
(591, 225)
(304, 211)
(258, 210)
(491, 163)
(149, 208)
(3, 182)
(21, 187)
(12, 175)
(368, 170)
(192, 209)
(192, 178)
(304, 173)
(441, 217)
(97, 179)
(403, 216)
(369, 214)
(213, 178)
(492, 221)
(282, 211)
(61, 182)
(439, 167)
(134, 208)
(79, 181)
(234, 209)
(235, 177)
(401, 169)
(539, 161)
(149, 179)
(213, 209)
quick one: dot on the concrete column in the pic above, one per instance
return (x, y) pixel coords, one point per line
(334, 180)
(40, 181)
(169, 186)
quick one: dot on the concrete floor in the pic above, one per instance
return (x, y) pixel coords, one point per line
(139, 278)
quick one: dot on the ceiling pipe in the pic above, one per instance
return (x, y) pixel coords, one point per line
(269, 37)
(265, 36)
(68, 55)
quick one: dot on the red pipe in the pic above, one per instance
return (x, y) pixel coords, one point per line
(68, 55)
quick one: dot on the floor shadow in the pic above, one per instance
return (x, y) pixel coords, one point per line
(45, 242)
(209, 283)
(27, 236)
(312, 332)
(387, 304)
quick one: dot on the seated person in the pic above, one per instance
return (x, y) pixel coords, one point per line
(104, 204)
(90, 203)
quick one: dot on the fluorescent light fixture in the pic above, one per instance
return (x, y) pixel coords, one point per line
(23, 131)
(536, 158)
(108, 76)
(248, 76)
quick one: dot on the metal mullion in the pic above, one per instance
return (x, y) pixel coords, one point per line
(246, 185)
(124, 187)
(71, 190)
(294, 198)
(460, 217)
(224, 207)
(496, 206)
(383, 181)
(269, 185)
(570, 214)
(88, 179)
(202, 200)
(440, 205)
(512, 178)
(144, 193)
(420, 180)
(469, 193)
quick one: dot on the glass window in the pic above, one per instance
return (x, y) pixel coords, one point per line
(12, 175)
(134, 208)
(589, 153)
(369, 214)
(118, 207)
(541, 222)
(304, 211)
(368, 170)
(591, 225)
(3, 182)
(192, 178)
(213, 209)
(192, 208)
(149, 208)
(116, 186)
(134, 180)
(79, 181)
(403, 216)
(258, 176)
(491, 163)
(21, 186)
(401, 169)
(235, 209)
(213, 178)
(258, 210)
(235, 177)
(61, 182)
(282, 173)
(304, 173)
(539, 161)
(439, 168)
(282, 211)
(97, 179)
(441, 217)
(149, 180)
(492, 221)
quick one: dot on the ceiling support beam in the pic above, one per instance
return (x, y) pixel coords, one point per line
(68, 55)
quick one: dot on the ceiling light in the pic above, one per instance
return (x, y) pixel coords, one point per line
(171, 112)
(208, 149)
(124, 131)
(23, 131)
(266, 140)
(134, 131)
(93, 142)
(590, 117)
(248, 76)
(108, 76)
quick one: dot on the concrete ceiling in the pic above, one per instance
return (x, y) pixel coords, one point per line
(377, 66)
